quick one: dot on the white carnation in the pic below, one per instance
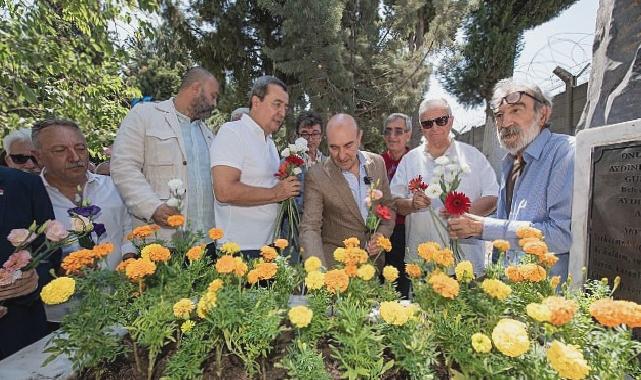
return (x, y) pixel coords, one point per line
(442, 160)
(172, 202)
(433, 191)
(453, 167)
(449, 175)
(285, 152)
(301, 144)
(465, 168)
(297, 171)
(175, 184)
(438, 170)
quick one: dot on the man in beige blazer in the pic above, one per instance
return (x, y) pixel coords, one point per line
(157, 142)
(335, 193)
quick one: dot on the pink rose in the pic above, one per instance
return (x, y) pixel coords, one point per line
(17, 261)
(20, 236)
(376, 194)
(55, 231)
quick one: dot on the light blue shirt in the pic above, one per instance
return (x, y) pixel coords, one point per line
(542, 196)
(200, 208)
(359, 189)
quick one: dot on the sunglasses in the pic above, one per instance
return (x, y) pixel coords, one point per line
(439, 121)
(394, 131)
(22, 159)
(513, 98)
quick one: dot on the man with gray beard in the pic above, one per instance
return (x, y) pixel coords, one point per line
(537, 175)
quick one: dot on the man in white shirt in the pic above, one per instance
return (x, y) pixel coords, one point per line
(244, 160)
(61, 148)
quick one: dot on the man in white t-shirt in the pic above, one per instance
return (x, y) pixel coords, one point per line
(244, 160)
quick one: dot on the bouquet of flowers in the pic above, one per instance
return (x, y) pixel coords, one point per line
(82, 221)
(292, 165)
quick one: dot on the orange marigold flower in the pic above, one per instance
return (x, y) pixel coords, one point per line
(351, 242)
(240, 268)
(611, 313)
(142, 232)
(195, 253)
(102, 250)
(268, 253)
(215, 285)
(444, 285)
(428, 250)
(225, 264)
(529, 232)
(175, 220)
(139, 269)
(501, 245)
(533, 272)
(554, 281)
(253, 276)
(155, 252)
(444, 258)
(384, 243)
(216, 233)
(355, 256)
(549, 259)
(413, 270)
(266, 271)
(536, 248)
(336, 281)
(561, 309)
(281, 243)
(351, 270)
(77, 261)
(123, 265)
(513, 274)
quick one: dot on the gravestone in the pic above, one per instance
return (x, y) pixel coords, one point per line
(606, 210)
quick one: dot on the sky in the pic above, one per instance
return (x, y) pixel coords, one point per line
(565, 41)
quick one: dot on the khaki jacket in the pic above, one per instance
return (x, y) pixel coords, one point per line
(148, 152)
(331, 214)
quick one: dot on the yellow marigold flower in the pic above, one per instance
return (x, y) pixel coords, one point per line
(312, 264)
(496, 288)
(413, 270)
(339, 254)
(554, 281)
(195, 253)
(394, 313)
(253, 276)
(230, 248)
(390, 273)
(240, 268)
(351, 242)
(139, 269)
(187, 326)
(225, 264)
(481, 343)
(300, 316)
(366, 272)
(444, 285)
(58, 291)
(444, 258)
(216, 234)
(215, 285)
(568, 361)
(384, 243)
(510, 337)
(561, 309)
(528, 232)
(156, 253)
(175, 220)
(336, 281)
(538, 312)
(536, 248)
(501, 245)
(102, 250)
(123, 265)
(428, 250)
(183, 308)
(315, 280)
(464, 271)
(281, 243)
(206, 303)
(268, 253)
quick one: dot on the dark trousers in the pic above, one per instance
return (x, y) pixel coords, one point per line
(396, 258)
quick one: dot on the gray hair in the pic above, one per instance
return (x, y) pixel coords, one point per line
(40, 125)
(399, 116)
(428, 104)
(509, 85)
(238, 113)
(259, 89)
(22, 134)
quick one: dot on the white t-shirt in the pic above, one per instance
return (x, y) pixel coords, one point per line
(420, 226)
(242, 145)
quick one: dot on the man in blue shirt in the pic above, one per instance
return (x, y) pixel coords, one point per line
(537, 175)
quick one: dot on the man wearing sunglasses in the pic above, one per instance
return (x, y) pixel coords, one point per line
(478, 182)
(20, 151)
(537, 175)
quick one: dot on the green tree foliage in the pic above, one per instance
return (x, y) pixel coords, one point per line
(365, 57)
(60, 58)
(493, 39)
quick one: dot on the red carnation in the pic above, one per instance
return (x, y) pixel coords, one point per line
(282, 170)
(295, 160)
(417, 184)
(383, 212)
(457, 204)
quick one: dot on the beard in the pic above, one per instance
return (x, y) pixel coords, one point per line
(524, 136)
(201, 109)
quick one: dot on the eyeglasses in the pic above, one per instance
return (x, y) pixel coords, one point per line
(306, 135)
(514, 97)
(439, 121)
(22, 159)
(394, 131)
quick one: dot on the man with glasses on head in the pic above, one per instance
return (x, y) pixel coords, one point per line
(309, 125)
(20, 151)
(478, 182)
(537, 174)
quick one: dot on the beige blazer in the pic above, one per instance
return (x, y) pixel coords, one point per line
(331, 214)
(149, 151)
